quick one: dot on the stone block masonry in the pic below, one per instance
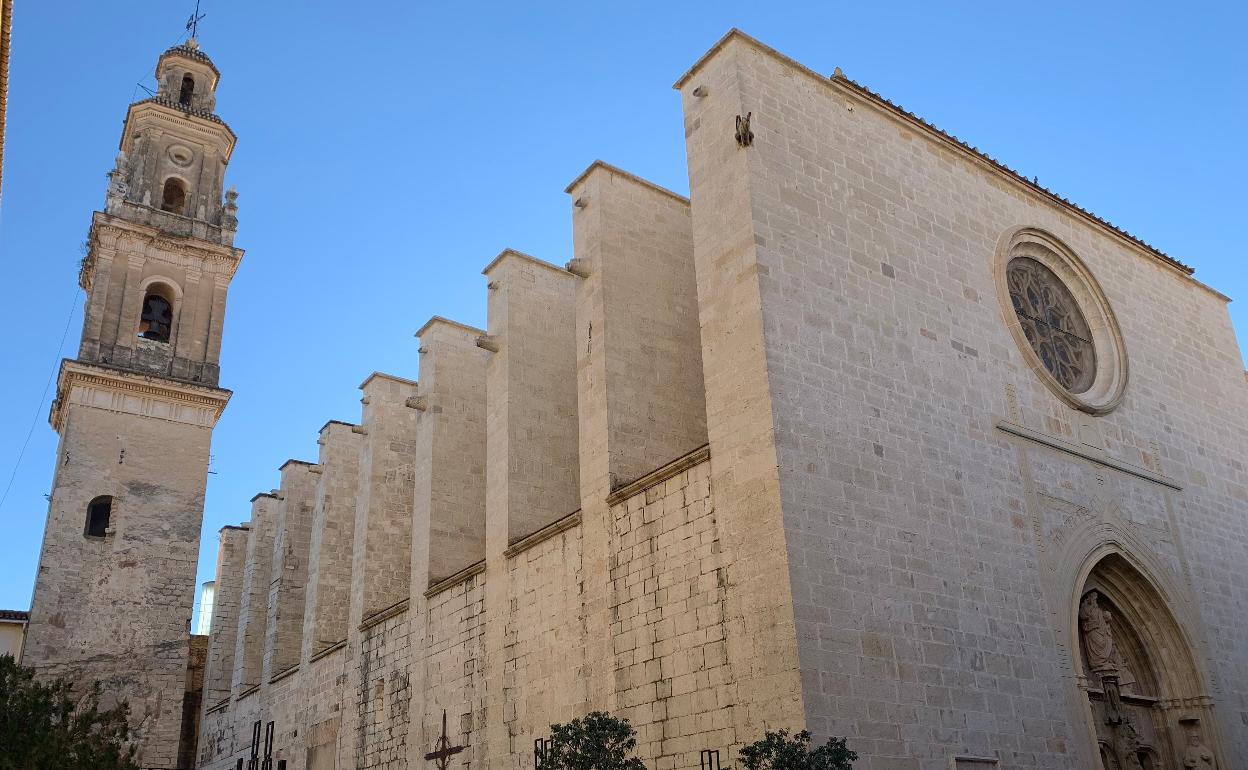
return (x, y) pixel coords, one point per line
(638, 349)
(253, 613)
(448, 671)
(772, 457)
(449, 512)
(151, 471)
(223, 635)
(933, 614)
(531, 420)
(532, 484)
(332, 539)
(383, 523)
(287, 584)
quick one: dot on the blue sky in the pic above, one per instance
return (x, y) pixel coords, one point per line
(389, 150)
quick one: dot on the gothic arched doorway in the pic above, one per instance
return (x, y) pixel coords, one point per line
(1147, 697)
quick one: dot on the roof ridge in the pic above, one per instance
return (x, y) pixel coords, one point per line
(838, 79)
(1032, 183)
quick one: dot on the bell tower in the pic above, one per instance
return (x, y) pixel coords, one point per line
(135, 413)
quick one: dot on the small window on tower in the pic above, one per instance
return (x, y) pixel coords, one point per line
(99, 513)
(157, 319)
(188, 90)
(173, 199)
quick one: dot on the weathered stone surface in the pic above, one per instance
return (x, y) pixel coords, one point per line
(773, 456)
(135, 412)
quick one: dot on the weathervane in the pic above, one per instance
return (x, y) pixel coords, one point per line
(192, 24)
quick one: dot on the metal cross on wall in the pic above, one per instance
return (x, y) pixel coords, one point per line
(442, 748)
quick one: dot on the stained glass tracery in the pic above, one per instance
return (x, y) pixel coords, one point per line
(1052, 322)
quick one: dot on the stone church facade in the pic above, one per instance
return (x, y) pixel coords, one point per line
(869, 435)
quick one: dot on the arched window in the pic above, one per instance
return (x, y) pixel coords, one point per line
(173, 198)
(156, 321)
(99, 513)
(188, 90)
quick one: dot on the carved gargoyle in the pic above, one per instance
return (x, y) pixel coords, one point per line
(745, 137)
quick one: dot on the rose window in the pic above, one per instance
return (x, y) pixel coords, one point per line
(1052, 323)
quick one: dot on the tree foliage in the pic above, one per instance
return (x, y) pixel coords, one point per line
(44, 725)
(597, 741)
(780, 751)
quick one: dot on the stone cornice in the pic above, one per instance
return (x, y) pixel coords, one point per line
(330, 650)
(1098, 456)
(659, 475)
(629, 176)
(383, 376)
(527, 258)
(559, 526)
(438, 586)
(283, 673)
(188, 252)
(117, 390)
(438, 320)
(211, 130)
(251, 690)
(398, 608)
(190, 53)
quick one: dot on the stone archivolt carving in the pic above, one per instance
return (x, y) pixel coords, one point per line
(1140, 669)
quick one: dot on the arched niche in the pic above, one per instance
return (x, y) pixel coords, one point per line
(187, 90)
(173, 196)
(154, 324)
(1147, 697)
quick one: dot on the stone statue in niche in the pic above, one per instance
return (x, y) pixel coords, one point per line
(1197, 756)
(1104, 658)
(1128, 746)
(1098, 640)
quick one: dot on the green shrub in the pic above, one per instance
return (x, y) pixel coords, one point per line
(45, 726)
(780, 751)
(597, 741)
